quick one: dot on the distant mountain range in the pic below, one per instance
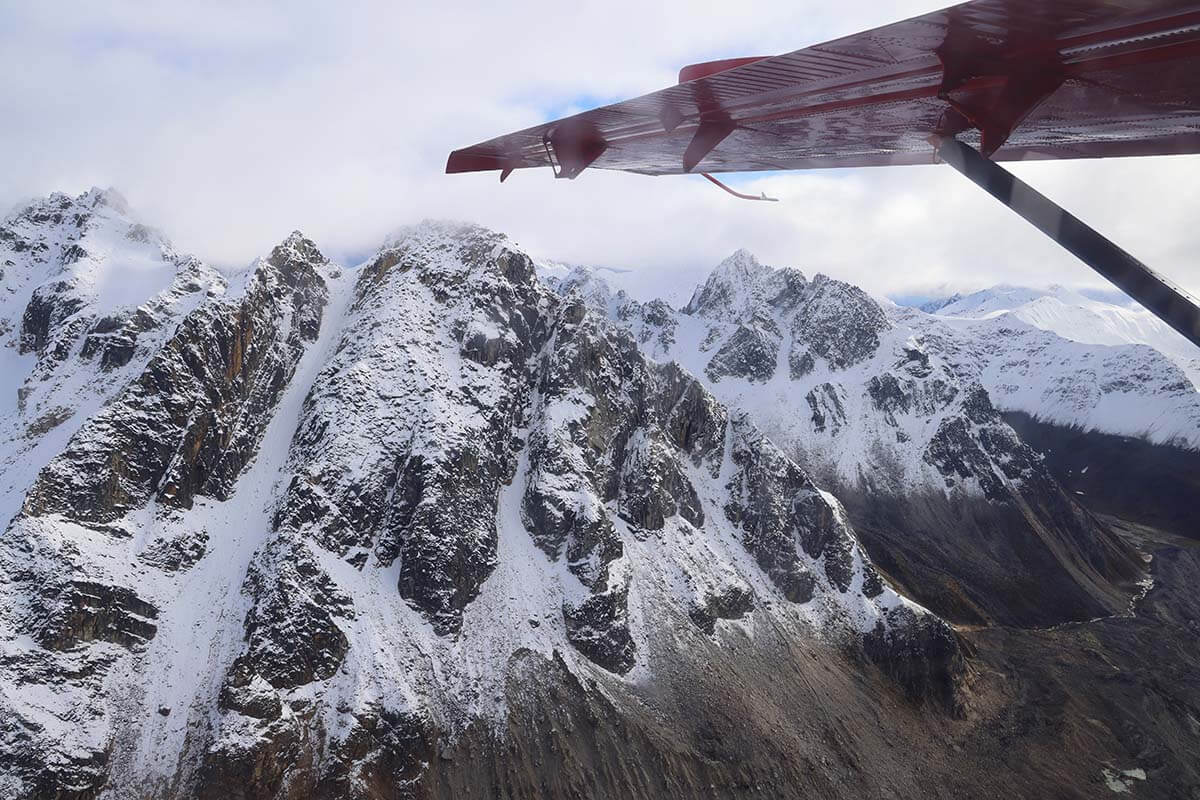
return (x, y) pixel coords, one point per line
(1074, 315)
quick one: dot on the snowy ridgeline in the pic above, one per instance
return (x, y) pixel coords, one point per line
(1055, 354)
(305, 502)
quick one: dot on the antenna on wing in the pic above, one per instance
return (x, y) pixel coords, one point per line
(739, 195)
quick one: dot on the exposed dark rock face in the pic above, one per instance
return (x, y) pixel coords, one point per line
(750, 353)
(84, 611)
(291, 633)
(837, 322)
(777, 508)
(48, 422)
(597, 382)
(190, 422)
(889, 397)
(691, 418)
(47, 309)
(732, 603)
(383, 756)
(801, 363)
(654, 488)
(580, 531)
(828, 408)
(434, 528)
(175, 553)
(922, 654)
(598, 628)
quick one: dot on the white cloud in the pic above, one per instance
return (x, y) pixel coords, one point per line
(228, 125)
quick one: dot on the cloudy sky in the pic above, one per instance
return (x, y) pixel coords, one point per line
(229, 125)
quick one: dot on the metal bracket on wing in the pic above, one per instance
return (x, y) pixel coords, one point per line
(994, 84)
(573, 146)
(712, 132)
(1160, 296)
(739, 195)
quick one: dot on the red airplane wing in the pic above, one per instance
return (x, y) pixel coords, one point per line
(1019, 79)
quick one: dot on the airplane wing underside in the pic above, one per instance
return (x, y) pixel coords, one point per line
(1019, 79)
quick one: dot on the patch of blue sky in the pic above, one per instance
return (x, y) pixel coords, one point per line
(558, 107)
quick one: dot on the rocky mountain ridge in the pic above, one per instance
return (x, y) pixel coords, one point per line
(329, 502)
(886, 405)
(435, 527)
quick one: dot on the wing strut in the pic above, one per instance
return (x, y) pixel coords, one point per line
(1165, 300)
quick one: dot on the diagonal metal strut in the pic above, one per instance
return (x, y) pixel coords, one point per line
(1165, 300)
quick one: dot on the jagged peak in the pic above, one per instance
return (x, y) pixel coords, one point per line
(587, 282)
(90, 239)
(54, 207)
(59, 221)
(440, 230)
(839, 297)
(452, 249)
(296, 247)
(742, 260)
(109, 198)
(742, 267)
(739, 285)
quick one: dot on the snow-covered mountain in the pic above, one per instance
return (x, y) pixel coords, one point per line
(885, 404)
(432, 526)
(1122, 385)
(1077, 317)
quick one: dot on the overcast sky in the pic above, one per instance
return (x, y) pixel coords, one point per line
(228, 126)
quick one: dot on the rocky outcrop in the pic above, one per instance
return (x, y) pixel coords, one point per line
(836, 322)
(599, 629)
(291, 631)
(733, 602)
(85, 611)
(828, 408)
(781, 512)
(750, 353)
(433, 363)
(190, 422)
(740, 285)
(47, 310)
(922, 654)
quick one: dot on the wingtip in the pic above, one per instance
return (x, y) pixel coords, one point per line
(467, 160)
